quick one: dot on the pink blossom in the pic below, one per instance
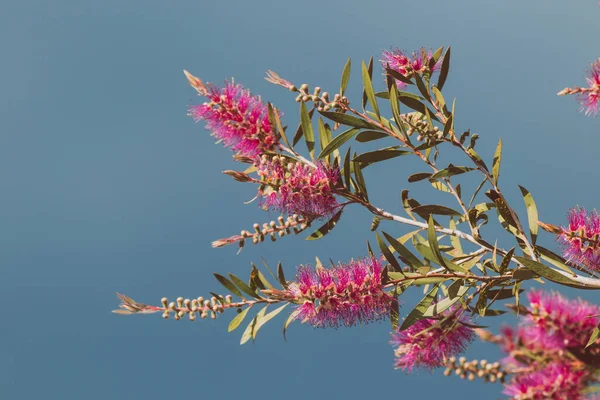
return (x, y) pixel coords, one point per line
(347, 294)
(569, 323)
(405, 65)
(556, 381)
(590, 98)
(236, 118)
(298, 188)
(580, 239)
(431, 348)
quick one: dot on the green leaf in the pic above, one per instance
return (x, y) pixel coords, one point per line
(367, 136)
(416, 105)
(439, 98)
(422, 87)
(433, 243)
(235, 322)
(419, 176)
(326, 228)
(395, 106)
(346, 119)
(506, 261)
(554, 259)
(247, 335)
(444, 70)
(347, 169)
(337, 141)
(477, 191)
(427, 210)
(371, 157)
(388, 254)
(405, 254)
(417, 313)
(594, 337)
(299, 132)
(275, 121)
(368, 85)
(263, 319)
(259, 278)
(307, 129)
(360, 180)
(397, 75)
(243, 287)
(444, 304)
(228, 285)
(532, 214)
(281, 276)
(550, 274)
(345, 77)
(290, 319)
(451, 171)
(394, 313)
(496, 162)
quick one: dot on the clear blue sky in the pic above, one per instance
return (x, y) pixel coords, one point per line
(106, 185)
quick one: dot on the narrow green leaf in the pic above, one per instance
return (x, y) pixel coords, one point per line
(405, 254)
(422, 87)
(532, 214)
(368, 136)
(451, 171)
(299, 132)
(397, 75)
(243, 287)
(228, 285)
(360, 180)
(433, 243)
(346, 119)
(307, 129)
(247, 335)
(266, 318)
(506, 261)
(444, 70)
(388, 254)
(419, 176)
(290, 319)
(477, 191)
(345, 77)
(281, 276)
(394, 313)
(417, 313)
(416, 105)
(276, 123)
(235, 322)
(395, 106)
(371, 157)
(426, 210)
(594, 337)
(347, 170)
(454, 239)
(496, 162)
(337, 141)
(554, 259)
(368, 85)
(439, 98)
(442, 305)
(550, 274)
(325, 228)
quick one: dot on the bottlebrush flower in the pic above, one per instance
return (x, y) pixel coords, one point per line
(297, 188)
(433, 347)
(236, 118)
(569, 323)
(401, 63)
(590, 101)
(556, 381)
(347, 294)
(581, 238)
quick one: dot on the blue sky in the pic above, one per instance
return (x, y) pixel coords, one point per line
(106, 185)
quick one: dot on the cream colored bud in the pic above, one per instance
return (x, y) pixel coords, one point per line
(165, 302)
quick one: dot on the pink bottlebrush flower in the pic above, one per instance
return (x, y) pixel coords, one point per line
(297, 188)
(236, 118)
(580, 239)
(433, 347)
(566, 323)
(556, 381)
(590, 99)
(401, 63)
(345, 295)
